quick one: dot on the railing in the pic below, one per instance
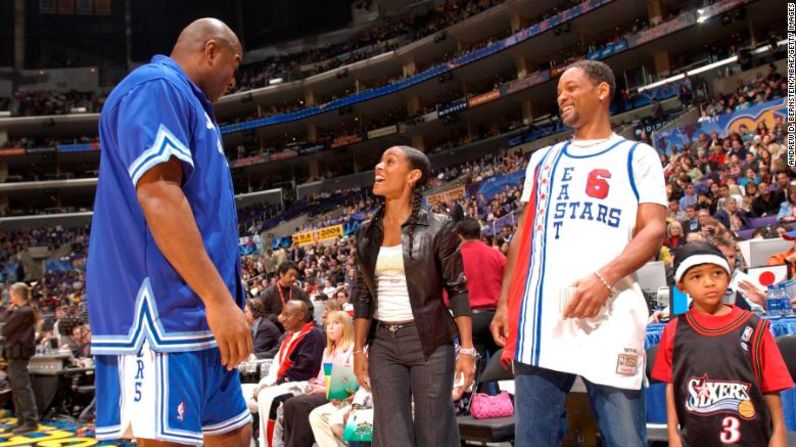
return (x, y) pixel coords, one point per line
(494, 227)
(682, 21)
(431, 73)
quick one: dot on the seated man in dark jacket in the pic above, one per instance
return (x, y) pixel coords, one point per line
(298, 359)
(732, 217)
(265, 333)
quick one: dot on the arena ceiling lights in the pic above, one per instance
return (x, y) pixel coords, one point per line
(707, 67)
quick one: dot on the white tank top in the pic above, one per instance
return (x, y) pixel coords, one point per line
(393, 295)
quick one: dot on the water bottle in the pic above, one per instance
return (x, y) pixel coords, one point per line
(784, 298)
(773, 303)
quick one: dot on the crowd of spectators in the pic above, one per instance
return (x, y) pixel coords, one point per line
(50, 102)
(13, 242)
(370, 42)
(323, 269)
(723, 185)
(253, 218)
(763, 88)
(59, 288)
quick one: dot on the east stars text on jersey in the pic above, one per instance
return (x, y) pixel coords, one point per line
(596, 188)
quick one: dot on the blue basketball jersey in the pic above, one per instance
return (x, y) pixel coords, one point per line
(134, 293)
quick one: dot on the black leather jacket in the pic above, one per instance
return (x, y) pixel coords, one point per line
(436, 263)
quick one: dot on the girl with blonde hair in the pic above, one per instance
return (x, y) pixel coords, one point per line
(338, 343)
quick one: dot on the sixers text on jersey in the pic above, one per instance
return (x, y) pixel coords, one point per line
(708, 396)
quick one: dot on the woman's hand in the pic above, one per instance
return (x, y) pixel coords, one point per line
(465, 366)
(361, 369)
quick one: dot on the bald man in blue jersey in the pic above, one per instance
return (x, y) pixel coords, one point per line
(164, 291)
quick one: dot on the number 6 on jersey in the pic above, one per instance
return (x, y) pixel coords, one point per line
(597, 184)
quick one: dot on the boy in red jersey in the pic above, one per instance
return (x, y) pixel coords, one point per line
(722, 367)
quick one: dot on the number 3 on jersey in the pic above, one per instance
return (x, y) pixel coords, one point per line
(597, 184)
(730, 434)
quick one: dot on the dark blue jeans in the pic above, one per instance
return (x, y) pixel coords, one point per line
(541, 404)
(399, 374)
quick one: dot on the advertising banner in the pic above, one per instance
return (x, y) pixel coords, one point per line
(383, 131)
(284, 155)
(311, 149)
(446, 196)
(40, 150)
(319, 235)
(455, 107)
(345, 140)
(78, 147)
(12, 151)
(484, 98)
(532, 79)
(767, 112)
(248, 161)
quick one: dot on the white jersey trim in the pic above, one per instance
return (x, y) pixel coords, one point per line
(147, 326)
(542, 199)
(166, 145)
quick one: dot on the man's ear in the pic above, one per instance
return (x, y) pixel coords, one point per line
(211, 51)
(604, 91)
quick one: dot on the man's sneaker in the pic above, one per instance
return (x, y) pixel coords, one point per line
(28, 427)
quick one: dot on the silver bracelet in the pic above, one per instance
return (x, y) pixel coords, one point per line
(472, 352)
(605, 283)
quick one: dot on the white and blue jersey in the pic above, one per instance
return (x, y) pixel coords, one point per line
(133, 291)
(586, 201)
(158, 368)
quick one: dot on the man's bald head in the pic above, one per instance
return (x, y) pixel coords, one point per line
(200, 31)
(209, 52)
(298, 306)
(294, 315)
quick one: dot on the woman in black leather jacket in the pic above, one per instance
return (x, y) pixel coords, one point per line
(406, 256)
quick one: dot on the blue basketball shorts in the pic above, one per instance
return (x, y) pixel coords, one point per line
(178, 397)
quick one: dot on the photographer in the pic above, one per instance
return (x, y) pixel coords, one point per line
(19, 347)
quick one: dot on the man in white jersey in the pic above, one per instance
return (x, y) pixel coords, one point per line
(595, 210)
